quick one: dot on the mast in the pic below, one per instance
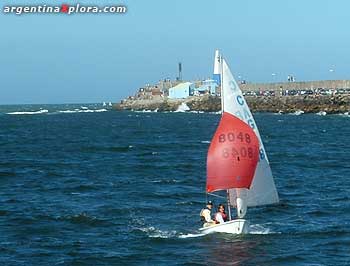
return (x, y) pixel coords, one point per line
(222, 112)
(228, 205)
(221, 84)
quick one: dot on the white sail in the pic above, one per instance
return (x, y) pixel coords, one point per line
(217, 68)
(263, 190)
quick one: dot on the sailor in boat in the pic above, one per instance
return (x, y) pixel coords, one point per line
(206, 215)
(221, 216)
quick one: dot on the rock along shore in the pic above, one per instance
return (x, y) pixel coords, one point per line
(207, 103)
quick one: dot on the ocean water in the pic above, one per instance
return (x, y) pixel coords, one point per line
(84, 185)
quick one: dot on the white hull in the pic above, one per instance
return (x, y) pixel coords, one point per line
(238, 226)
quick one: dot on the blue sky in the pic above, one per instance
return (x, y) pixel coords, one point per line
(95, 58)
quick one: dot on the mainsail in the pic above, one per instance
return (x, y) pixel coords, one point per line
(262, 191)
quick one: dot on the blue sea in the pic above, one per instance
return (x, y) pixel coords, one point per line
(86, 185)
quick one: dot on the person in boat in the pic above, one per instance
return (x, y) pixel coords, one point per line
(206, 215)
(221, 216)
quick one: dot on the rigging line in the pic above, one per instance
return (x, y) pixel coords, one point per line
(218, 196)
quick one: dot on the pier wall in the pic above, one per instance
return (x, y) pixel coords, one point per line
(303, 85)
(287, 104)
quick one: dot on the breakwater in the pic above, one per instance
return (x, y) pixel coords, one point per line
(331, 96)
(279, 87)
(208, 103)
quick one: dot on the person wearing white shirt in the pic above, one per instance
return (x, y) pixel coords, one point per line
(206, 215)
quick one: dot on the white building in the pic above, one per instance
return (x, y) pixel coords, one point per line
(182, 90)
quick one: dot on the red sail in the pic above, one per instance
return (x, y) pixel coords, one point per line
(233, 155)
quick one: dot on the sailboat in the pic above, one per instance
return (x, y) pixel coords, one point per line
(237, 162)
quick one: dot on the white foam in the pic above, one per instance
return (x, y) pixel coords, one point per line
(205, 141)
(191, 235)
(257, 229)
(264, 232)
(68, 111)
(298, 112)
(216, 113)
(346, 114)
(29, 113)
(280, 112)
(321, 113)
(92, 111)
(165, 180)
(182, 108)
(144, 111)
(156, 233)
(83, 111)
(197, 112)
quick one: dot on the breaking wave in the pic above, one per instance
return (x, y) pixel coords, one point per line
(183, 107)
(298, 112)
(346, 114)
(83, 110)
(45, 111)
(29, 112)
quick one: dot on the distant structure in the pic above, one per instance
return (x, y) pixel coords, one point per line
(181, 91)
(179, 78)
(208, 86)
(291, 78)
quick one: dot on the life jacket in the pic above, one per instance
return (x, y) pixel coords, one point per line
(223, 215)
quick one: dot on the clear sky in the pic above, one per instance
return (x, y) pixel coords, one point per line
(94, 58)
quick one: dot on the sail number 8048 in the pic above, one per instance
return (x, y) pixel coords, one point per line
(243, 152)
(231, 137)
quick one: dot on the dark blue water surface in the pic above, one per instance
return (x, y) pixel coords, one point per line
(90, 186)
